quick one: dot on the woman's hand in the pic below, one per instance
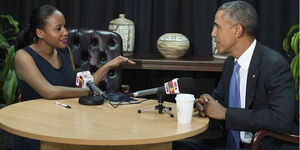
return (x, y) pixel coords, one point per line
(119, 61)
(102, 71)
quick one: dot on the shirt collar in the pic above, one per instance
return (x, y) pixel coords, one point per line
(245, 58)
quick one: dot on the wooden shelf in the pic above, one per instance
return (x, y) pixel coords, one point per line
(189, 63)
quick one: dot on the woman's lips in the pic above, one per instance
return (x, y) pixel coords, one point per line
(65, 41)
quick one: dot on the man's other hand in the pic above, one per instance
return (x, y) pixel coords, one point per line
(207, 105)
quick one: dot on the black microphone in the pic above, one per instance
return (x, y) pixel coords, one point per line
(95, 89)
(175, 86)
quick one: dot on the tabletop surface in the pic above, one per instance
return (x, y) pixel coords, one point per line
(96, 125)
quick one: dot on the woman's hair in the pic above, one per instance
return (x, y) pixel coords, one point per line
(240, 12)
(37, 20)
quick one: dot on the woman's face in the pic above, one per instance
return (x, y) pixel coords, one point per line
(54, 33)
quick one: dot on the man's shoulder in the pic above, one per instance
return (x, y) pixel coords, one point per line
(269, 55)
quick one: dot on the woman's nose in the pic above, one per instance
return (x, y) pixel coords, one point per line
(65, 31)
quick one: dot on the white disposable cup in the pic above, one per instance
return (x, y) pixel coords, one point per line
(184, 104)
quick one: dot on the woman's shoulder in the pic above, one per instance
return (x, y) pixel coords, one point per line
(22, 57)
(22, 52)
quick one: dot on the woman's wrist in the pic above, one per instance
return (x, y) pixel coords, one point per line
(106, 66)
(100, 73)
(91, 93)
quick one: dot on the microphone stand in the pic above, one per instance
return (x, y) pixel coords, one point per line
(91, 99)
(160, 107)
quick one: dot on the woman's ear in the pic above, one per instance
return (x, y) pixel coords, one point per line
(39, 33)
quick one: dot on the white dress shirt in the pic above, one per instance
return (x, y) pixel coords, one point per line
(244, 62)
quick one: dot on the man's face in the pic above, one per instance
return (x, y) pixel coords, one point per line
(224, 34)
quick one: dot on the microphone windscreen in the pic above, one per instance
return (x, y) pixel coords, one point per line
(82, 78)
(186, 85)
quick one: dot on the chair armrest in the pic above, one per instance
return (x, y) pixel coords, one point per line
(264, 132)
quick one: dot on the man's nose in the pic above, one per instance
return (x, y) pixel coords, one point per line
(213, 33)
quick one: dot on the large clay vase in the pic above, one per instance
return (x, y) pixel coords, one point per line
(173, 45)
(125, 28)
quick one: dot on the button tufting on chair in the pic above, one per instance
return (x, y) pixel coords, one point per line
(93, 48)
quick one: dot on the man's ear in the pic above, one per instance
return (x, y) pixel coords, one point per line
(239, 29)
(39, 33)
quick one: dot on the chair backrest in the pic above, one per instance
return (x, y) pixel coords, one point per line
(92, 49)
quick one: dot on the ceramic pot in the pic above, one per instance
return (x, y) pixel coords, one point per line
(173, 45)
(125, 28)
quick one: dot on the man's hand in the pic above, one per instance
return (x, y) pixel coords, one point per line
(212, 108)
(200, 102)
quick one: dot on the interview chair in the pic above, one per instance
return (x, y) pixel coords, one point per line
(91, 49)
(259, 135)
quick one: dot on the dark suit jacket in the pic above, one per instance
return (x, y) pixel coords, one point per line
(270, 93)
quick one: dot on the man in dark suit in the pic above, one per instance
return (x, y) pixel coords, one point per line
(256, 89)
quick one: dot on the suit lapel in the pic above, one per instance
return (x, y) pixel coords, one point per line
(253, 74)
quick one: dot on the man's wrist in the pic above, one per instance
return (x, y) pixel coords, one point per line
(224, 114)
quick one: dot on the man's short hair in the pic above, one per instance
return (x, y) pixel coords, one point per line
(240, 12)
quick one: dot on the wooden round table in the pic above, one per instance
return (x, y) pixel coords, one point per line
(97, 127)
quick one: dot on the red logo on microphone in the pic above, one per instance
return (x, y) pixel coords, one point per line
(171, 88)
(82, 78)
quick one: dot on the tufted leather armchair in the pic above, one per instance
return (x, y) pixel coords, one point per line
(259, 135)
(93, 48)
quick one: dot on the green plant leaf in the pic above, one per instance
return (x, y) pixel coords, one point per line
(12, 22)
(8, 79)
(295, 66)
(10, 56)
(14, 38)
(293, 29)
(1, 29)
(9, 87)
(295, 71)
(9, 59)
(285, 44)
(3, 72)
(295, 42)
(3, 42)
